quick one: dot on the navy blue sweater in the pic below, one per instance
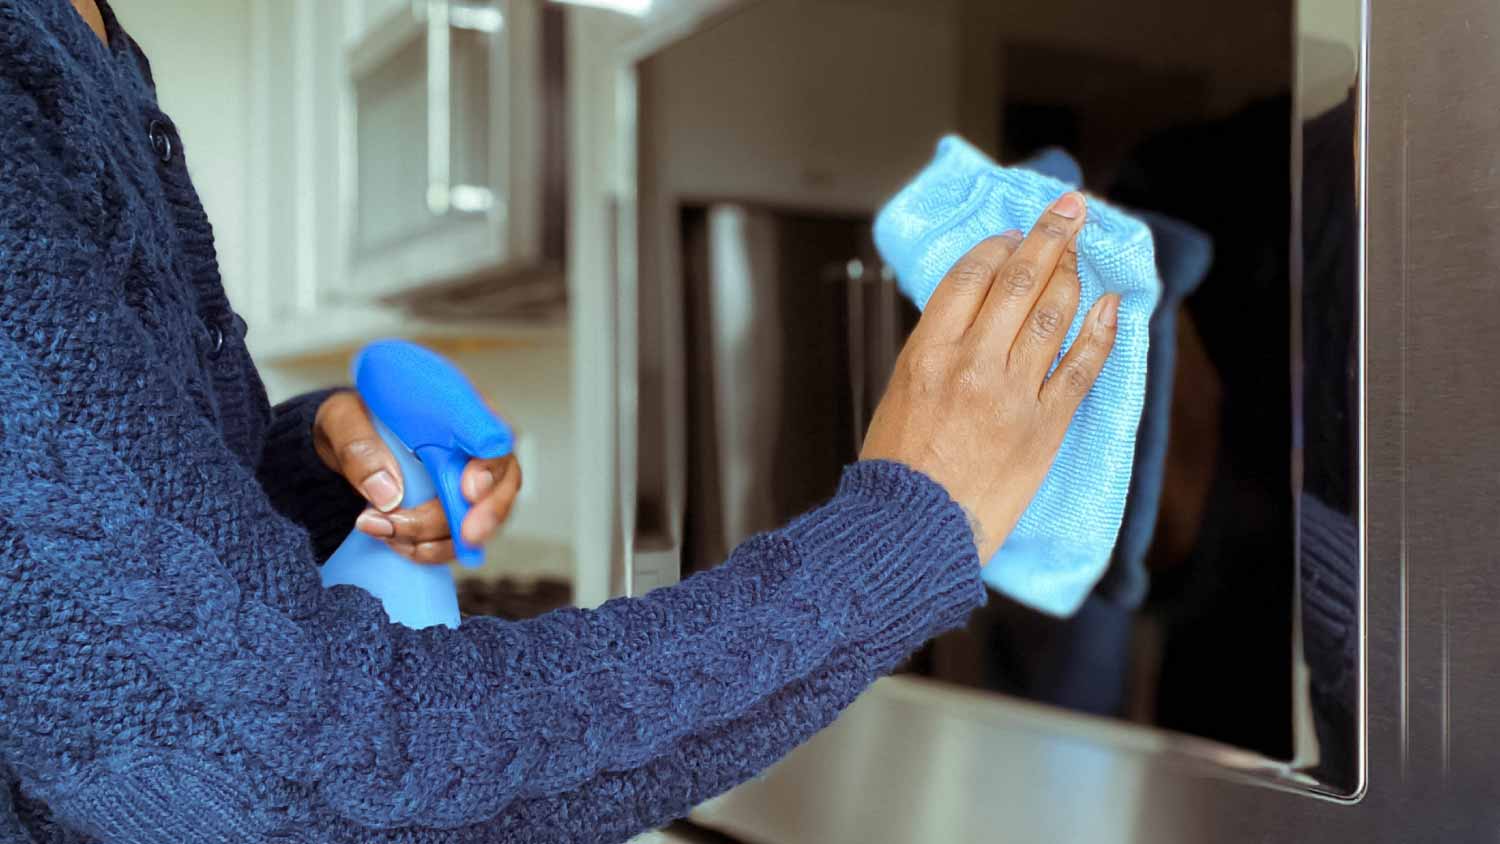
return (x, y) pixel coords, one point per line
(170, 667)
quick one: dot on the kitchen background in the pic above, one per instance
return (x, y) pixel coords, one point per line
(326, 237)
(544, 191)
(265, 94)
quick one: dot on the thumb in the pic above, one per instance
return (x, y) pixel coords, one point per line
(347, 441)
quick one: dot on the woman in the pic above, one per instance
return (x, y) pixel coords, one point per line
(171, 669)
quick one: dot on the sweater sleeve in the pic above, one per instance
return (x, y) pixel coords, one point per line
(299, 485)
(153, 694)
(172, 669)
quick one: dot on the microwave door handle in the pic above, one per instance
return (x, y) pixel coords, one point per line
(443, 17)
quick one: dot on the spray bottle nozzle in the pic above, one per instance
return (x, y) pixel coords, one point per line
(434, 421)
(433, 409)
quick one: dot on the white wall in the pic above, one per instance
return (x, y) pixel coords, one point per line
(200, 59)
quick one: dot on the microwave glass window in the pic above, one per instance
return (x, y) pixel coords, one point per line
(1230, 608)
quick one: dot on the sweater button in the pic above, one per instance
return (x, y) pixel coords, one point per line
(161, 141)
(215, 339)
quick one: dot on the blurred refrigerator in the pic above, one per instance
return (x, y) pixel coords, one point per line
(791, 326)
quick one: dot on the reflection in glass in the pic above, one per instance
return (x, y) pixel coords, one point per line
(1328, 524)
(1240, 543)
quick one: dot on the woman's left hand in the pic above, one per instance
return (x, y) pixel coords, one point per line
(347, 442)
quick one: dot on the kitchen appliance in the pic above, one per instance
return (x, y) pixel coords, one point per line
(1363, 294)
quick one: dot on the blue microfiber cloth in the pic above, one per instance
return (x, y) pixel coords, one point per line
(1183, 257)
(1063, 542)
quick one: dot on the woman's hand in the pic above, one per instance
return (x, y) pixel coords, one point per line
(970, 404)
(348, 444)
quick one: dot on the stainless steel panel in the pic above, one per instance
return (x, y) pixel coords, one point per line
(915, 761)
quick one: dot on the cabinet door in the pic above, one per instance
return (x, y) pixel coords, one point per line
(447, 119)
(297, 112)
(360, 16)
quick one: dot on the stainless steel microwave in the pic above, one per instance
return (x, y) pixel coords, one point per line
(1346, 148)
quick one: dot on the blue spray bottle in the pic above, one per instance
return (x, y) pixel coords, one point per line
(434, 422)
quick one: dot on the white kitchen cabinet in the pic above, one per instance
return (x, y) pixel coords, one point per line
(449, 125)
(362, 16)
(348, 208)
(295, 217)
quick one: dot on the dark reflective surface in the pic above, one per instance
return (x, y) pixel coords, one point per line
(1328, 353)
(1231, 608)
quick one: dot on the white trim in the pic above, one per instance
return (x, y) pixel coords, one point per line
(254, 302)
(309, 230)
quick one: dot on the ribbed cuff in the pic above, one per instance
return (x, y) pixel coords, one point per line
(301, 487)
(905, 547)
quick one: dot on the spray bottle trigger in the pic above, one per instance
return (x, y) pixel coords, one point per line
(446, 466)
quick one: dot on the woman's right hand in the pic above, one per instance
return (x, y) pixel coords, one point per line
(970, 403)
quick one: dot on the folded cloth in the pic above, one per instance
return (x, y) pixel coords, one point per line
(1062, 544)
(1183, 256)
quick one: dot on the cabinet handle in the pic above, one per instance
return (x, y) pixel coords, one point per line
(442, 18)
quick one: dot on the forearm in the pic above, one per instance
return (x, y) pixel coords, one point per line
(313, 702)
(759, 653)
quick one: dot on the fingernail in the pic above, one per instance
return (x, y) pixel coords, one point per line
(1109, 312)
(382, 490)
(484, 481)
(1070, 205)
(374, 524)
(1012, 234)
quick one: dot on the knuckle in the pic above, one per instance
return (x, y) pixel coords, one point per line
(925, 365)
(972, 381)
(1019, 278)
(1045, 321)
(1078, 378)
(1053, 227)
(1069, 262)
(1096, 345)
(359, 449)
(970, 274)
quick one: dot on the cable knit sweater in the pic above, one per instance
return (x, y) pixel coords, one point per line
(171, 669)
